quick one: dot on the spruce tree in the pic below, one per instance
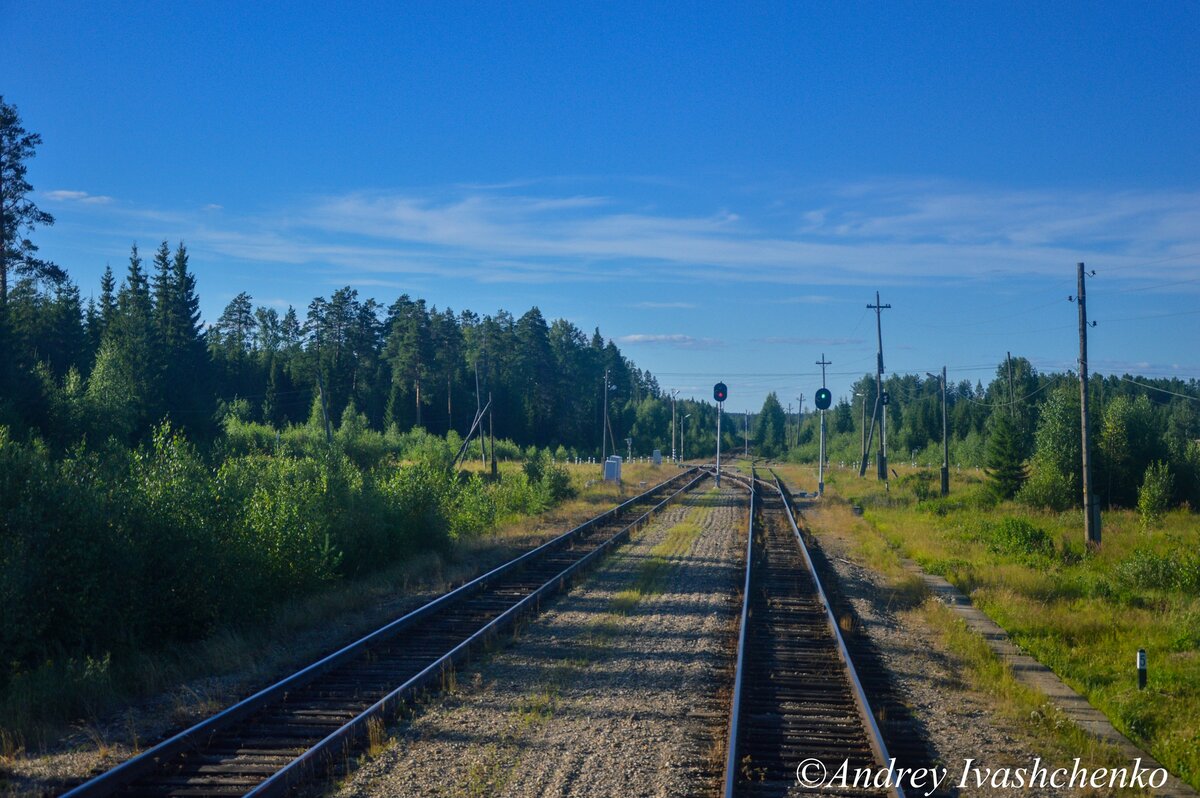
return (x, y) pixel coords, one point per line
(1005, 463)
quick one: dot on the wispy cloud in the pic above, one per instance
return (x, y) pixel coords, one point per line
(65, 195)
(874, 233)
(792, 341)
(676, 340)
(804, 299)
(663, 305)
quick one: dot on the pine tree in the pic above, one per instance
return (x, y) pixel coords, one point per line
(18, 213)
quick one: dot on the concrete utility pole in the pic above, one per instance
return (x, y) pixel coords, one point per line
(746, 434)
(682, 435)
(604, 426)
(879, 412)
(787, 428)
(821, 457)
(324, 408)
(799, 414)
(673, 395)
(945, 440)
(862, 458)
(1012, 401)
(491, 435)
(1091, 511)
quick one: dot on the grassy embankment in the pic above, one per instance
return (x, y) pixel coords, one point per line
(1083, 615)
(38, 707)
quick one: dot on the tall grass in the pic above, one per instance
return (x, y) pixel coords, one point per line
(1084, 614)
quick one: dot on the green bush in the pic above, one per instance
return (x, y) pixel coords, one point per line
(1148, 570)
(1017, 536)
(1154, 497)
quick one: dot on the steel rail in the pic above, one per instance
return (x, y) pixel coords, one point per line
(874, 735)
(300, 768)
(731, 754)
(196, 736)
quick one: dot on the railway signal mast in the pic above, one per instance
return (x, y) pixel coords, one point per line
(720, 394)
(822, 400)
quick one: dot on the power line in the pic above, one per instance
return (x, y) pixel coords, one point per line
(1160, 390)
(1154, 316)
(1006, 404)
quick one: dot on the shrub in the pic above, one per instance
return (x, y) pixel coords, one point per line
(1050, 488)
(1154, 497)
(1017, 536)
(921, 485)
(1149, 570)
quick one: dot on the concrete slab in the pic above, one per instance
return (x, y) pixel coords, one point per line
(1032, 673)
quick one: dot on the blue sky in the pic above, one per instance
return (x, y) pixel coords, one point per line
(721, 189)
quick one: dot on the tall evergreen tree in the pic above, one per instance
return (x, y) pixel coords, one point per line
(18, 213)
(1005, 459)
(770, 427)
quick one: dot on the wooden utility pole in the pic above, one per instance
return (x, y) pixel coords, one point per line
(1091, 512)
(879, 413)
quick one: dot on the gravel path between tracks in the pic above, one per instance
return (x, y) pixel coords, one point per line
(960, 723)
(620, 689)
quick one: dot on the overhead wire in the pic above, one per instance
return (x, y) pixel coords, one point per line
(1160, 390)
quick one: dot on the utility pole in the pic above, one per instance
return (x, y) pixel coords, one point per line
(862, 458)
(629, 443)
(746, 434)
(682, 435)
(491, 435)
(1012, 401)
(821, 456)
(799, 414)
(604, 426)
(673, 395)
(945, 440)
(324, 408)
(879, 412)
(787, 428)
(1091, 512)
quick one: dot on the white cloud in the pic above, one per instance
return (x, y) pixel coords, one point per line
(874, 233)
(792, 341)
(676, 340)
(664, 305)
(65, 195)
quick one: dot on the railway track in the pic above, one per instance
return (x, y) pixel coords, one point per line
(797, 698)
(312, 721)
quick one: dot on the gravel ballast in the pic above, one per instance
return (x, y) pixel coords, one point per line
(621, 688)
